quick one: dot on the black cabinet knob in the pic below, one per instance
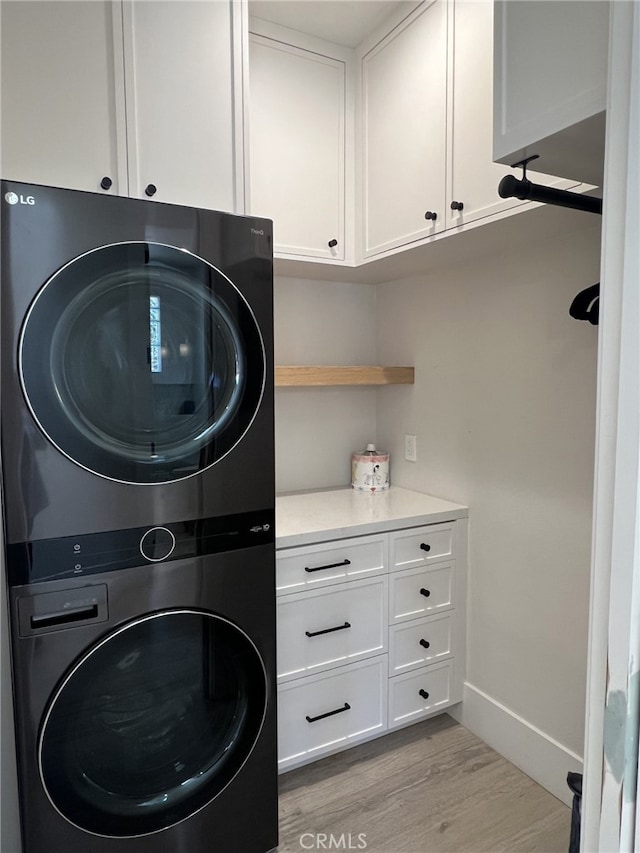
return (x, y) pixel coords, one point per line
(106, 183)
(431, 215)
(424, 546)
(425, 644)
(150, 190)
(425, 592)
(457, 205)
(424, 694)
(332, 243)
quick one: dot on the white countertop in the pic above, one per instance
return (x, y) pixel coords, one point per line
(309, 517)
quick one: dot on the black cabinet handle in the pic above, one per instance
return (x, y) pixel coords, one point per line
(423, 693)
(347, 707)
(430, 214)
(150, 189)
(330, 566)
(424, 546)
(425, 644)
(425, 592)
(457, 205)
(332, 243)
(106, 183)
(328, 630)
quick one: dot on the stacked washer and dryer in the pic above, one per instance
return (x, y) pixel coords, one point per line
(138, 498)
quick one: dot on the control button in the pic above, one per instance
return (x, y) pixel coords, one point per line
(157, 544)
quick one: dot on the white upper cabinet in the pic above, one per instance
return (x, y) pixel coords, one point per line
(298, 143)
(550, 84)
(472, 176)
(403, 102)
(63, 95)
(138, 93)
(183, 112)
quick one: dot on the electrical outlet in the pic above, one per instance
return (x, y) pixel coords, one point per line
(410, 448)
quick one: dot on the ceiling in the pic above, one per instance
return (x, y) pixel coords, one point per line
(345, 22)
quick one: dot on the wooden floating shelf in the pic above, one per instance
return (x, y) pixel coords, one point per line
(310, 375)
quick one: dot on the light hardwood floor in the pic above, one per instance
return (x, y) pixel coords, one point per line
(430, 788)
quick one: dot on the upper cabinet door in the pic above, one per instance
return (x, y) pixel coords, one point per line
(183, 112)
(473, 177)
(551, 100)
(297, 165)
(62, 94)
(404, 82)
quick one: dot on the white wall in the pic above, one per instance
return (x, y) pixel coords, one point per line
(317, 429)
(503, 408)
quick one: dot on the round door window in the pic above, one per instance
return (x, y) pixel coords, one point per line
(152, 723)
(142, 362)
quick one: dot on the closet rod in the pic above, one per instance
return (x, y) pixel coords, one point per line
(511, 187)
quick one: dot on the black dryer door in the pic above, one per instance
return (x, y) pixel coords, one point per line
(141, 362)
(152, 723)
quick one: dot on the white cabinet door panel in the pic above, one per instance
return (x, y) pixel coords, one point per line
(404, 80)
(297, 151)
(419, 546)
(62, 94)
(330, 562)
(473, 177)
(180, 101)
(420, 592)
(422, 641)
(330, 711)
(322, 629)
(551, 101)
(419, 694)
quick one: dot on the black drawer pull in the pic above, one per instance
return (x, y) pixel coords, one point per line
(425, 592)
(328, 630)
(347, 707)
(150, 189)
(425, 644)
(424, 694)
(64, 617)
(424, 546)
(106, 183)
(330, 566)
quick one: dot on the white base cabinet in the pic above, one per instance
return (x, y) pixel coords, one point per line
(370, 636)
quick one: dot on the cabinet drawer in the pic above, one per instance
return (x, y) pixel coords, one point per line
(419, 694)
(336, 562)
(325, 628)
(420, 592)
(419, 546)
(328, 712)
(414, 644)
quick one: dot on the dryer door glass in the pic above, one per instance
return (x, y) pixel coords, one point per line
(142, 362)
(152, 723)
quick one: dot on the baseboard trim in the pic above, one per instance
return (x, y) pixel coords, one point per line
(534, 752)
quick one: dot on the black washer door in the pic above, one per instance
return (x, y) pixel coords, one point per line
(142, 362)
(152, 723)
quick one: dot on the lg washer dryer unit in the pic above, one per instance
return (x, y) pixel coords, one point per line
(136, 351)
(138, 491)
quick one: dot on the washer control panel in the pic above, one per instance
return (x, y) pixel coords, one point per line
(73, 556)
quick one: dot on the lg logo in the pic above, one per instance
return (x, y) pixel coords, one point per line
(12, 198)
